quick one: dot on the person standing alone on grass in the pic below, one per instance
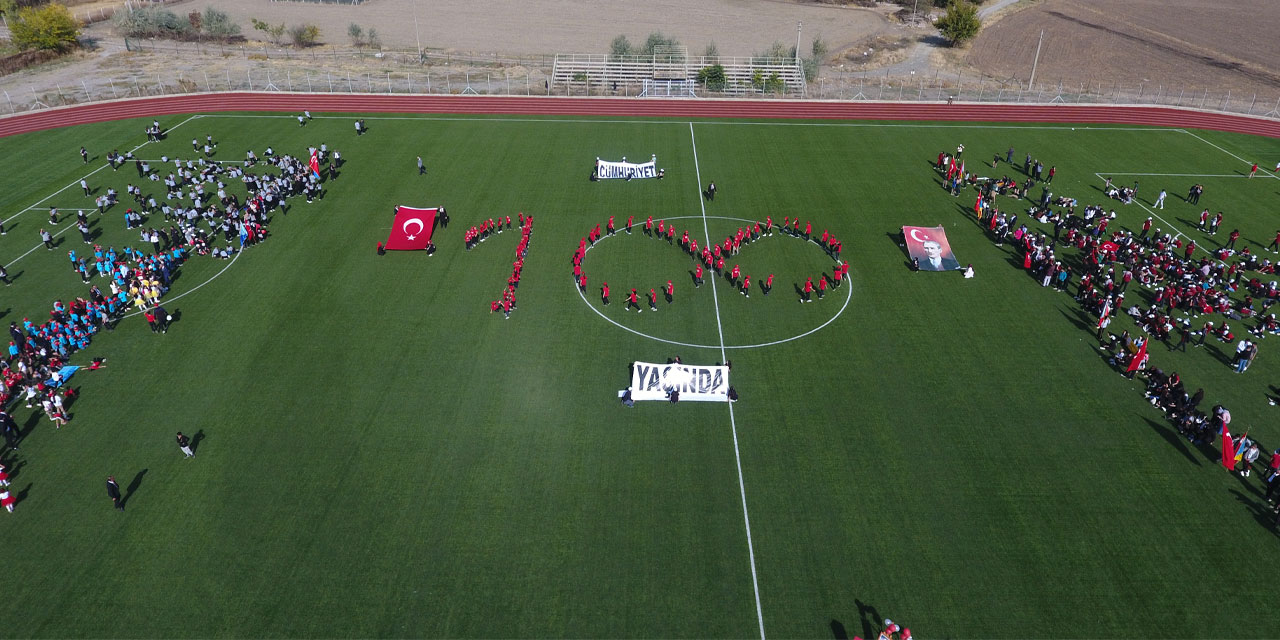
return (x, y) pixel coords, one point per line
(47, 239)
(1253, 170)
(711, 191)
(113, 492)
(184, 444)
(422, 169)
(1159, 203)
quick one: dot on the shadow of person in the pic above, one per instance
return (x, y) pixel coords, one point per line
(838, 631)
(870, 618)
(195, 440)
(133, 487)
(22, 495)
(1173, 438)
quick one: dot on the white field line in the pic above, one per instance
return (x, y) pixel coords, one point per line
(197, 287)
(1173, 175)
(1178, 234)
(733, 425)
(1266, 172)
(848, 298)
(75, 184)
(722, 122)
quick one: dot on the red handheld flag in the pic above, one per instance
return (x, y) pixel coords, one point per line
(411, 229)
(1228, 450)
(1138, 358)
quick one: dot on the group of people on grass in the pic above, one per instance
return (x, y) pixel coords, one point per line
(1187, 298)
(713, 258)
(199, 206)
(507, 302)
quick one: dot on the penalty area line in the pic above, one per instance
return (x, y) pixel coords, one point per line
(733, 425)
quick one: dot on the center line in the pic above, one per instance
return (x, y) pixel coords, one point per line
(742, 488)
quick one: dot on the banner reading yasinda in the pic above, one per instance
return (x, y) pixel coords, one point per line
(627, 170)
(694, 382)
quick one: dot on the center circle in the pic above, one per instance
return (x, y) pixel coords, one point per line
(583, 296)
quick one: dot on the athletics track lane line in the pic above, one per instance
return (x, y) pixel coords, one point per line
(635, 107)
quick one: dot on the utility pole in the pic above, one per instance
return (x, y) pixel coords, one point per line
(1036, 61)
(913, 12)
(798, 25)
(415, 29)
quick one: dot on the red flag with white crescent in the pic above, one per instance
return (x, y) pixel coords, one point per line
(315, 163)
(1138, 359)
(1106, 311)
(1228, 450)
(411, 229)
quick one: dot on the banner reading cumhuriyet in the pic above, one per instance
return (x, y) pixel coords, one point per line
(627, 170)
(694, 382)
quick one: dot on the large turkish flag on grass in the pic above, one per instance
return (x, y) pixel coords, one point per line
(411, 229)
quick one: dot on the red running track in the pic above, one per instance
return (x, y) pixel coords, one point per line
(632, 107)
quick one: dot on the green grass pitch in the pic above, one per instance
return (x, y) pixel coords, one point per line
(383, 457)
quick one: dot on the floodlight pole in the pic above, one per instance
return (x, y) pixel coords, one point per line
(1036, 61)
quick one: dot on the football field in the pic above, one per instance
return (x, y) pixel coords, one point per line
(378, 455)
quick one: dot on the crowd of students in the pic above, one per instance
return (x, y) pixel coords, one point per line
(1189, 299)
(137, 279)
(714, 258)
(506, 303)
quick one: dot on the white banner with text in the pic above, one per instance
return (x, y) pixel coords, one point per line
(693, 382)
(626, 170)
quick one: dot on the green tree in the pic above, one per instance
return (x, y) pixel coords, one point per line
(50, 26)
(372, 39)
(655, 40)
(712, 51)
(304, 35)
(8, 8)
(712, 77)
(217, 24)
(621, 46)
(272, 30)
(356, 33)
(960, 23)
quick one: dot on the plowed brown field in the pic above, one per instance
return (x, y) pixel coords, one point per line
(1186, 45)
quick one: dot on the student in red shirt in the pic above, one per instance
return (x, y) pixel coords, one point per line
(808, 290)
(671, 292)
(648, 226)
(822, 286)
(746, 286)
(609, 227)
(653, 299)
(630, 219)
(697, 275)
(633, 299)
(768, 284)
(1253, 169)
(604, 293)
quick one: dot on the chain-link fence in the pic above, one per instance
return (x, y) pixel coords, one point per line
(222, 67)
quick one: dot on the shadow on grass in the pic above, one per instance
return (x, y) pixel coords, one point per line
(870, 618)
(1173, 438)
(1262, 513)
(133, 487)
(838, 631)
